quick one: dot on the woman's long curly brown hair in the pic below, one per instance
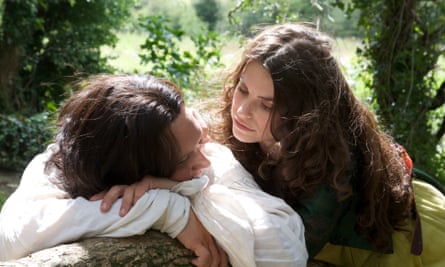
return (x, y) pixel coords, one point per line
(115, 130)
(326, 134)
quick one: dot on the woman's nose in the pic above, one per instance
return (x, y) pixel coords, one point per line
(245, 109)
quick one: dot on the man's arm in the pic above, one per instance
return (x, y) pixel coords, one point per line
(40, 215)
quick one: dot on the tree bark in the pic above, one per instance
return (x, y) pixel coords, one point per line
(9, 60)
(151, 249)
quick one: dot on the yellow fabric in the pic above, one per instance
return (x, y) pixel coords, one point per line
(431, 206)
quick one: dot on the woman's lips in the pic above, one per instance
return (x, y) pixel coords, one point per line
(241, 126)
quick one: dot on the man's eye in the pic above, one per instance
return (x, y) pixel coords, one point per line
(266, 106)
(182, 160)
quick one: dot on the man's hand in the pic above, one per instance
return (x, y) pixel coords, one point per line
(196, 238)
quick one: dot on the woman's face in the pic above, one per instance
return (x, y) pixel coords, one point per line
(188, 132)
(251, 106)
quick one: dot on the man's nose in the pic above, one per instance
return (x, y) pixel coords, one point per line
(201, 161)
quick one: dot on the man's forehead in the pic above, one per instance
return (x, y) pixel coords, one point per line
(187, 131)
(193, 119)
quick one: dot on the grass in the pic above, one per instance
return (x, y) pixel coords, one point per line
(8, 183)
(3, 197)
(125, 55)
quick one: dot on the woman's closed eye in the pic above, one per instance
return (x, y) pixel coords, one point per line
(241, 90)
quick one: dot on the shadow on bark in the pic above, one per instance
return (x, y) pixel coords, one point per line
(151, 249)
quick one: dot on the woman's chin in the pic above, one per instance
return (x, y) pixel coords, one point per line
(243, 137)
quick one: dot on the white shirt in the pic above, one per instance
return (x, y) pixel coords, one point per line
(40, 215)
(253, 227)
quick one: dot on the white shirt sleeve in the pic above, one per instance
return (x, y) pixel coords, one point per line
(39, 215)
(253, 227)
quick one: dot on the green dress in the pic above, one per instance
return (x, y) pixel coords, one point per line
(430, 203)
(330, 235)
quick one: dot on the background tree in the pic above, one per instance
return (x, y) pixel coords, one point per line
(43, 44)
(403, 42)
(180, 14)
(249, 13)
(208, 11)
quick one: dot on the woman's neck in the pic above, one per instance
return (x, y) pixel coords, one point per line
(271, 149)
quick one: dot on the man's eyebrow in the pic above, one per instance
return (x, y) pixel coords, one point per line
(266, 98)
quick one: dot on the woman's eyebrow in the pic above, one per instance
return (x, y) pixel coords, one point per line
(265, 98)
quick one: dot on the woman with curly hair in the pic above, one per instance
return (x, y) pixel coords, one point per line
(291, 119)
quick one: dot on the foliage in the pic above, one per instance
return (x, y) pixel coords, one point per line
(208, 11)
(404, 40)
(44, 43)
(249, 13)
(3, 197)
(162, 52)
(180, 14)
(22, 138)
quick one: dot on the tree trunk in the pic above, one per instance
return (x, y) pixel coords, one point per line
(9, 60)
(151, 249)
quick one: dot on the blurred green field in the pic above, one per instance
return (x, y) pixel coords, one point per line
(125, 56)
